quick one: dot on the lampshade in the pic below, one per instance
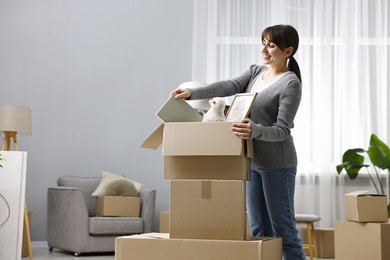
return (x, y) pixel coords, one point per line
(15, 119)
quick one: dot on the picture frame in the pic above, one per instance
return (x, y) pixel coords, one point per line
(240, 107)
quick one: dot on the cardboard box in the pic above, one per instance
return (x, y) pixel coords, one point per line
(363, 207)
(187, 142)
(196, 150)
(118, 206)
(362, 241)
(25, 242)
(164, 224)
(154, 246)
(325, 242)
(197, 138)
(207, 167)
(208, 209)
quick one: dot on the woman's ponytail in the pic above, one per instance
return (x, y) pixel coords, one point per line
(294, 67)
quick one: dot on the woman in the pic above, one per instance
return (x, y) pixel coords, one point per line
(270, 191)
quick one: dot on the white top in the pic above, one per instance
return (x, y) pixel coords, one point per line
(261, 84)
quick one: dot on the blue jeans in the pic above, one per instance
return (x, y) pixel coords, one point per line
(270, 203)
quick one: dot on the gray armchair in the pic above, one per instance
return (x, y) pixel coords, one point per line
(73, 225)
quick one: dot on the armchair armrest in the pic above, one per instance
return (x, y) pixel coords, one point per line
(67, 219)
(148, 202)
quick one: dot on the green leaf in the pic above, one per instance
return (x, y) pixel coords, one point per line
(339, 168)
(379, 153)
(353, 161)
(351, 168)
(353, 156)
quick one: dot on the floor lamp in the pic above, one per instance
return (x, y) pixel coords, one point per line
(16, 120)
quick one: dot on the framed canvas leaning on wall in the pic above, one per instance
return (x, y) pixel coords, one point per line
(12, 198)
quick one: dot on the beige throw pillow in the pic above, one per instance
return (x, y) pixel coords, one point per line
(113, 183)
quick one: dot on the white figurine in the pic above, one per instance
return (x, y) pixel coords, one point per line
(216, 111)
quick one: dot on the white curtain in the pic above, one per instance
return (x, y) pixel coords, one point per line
(344, 57)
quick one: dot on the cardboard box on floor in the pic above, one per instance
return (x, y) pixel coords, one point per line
(208, 209)
(325, 242)
(196, 150)
(363, 207)
(118, 206)
(164, 224)
(159, 246)
(362, 241)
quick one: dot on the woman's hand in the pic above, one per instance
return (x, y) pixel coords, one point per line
(181, 93)
(242, 129)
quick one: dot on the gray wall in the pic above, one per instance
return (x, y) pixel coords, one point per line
(94, 72)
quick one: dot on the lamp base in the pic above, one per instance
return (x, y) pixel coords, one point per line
(8, 135)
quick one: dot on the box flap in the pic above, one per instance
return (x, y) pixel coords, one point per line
(357, 193)
(188, 139)
(155, 139)
(151, 235)
(178, 110)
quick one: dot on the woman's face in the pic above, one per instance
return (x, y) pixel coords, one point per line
(272, 54)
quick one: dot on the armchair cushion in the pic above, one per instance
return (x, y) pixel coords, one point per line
(115, 225)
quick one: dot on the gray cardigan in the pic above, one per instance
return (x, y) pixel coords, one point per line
(272, 115)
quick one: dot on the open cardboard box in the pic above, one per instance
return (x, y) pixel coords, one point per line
(152, 246)
(197, 150)
(361, 206)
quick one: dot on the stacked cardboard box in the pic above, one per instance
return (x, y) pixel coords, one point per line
(207, 166)
(366, 231)
(159, 246)
(207, 209)
(164, 225)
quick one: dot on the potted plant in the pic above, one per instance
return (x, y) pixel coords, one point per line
(378, 153)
